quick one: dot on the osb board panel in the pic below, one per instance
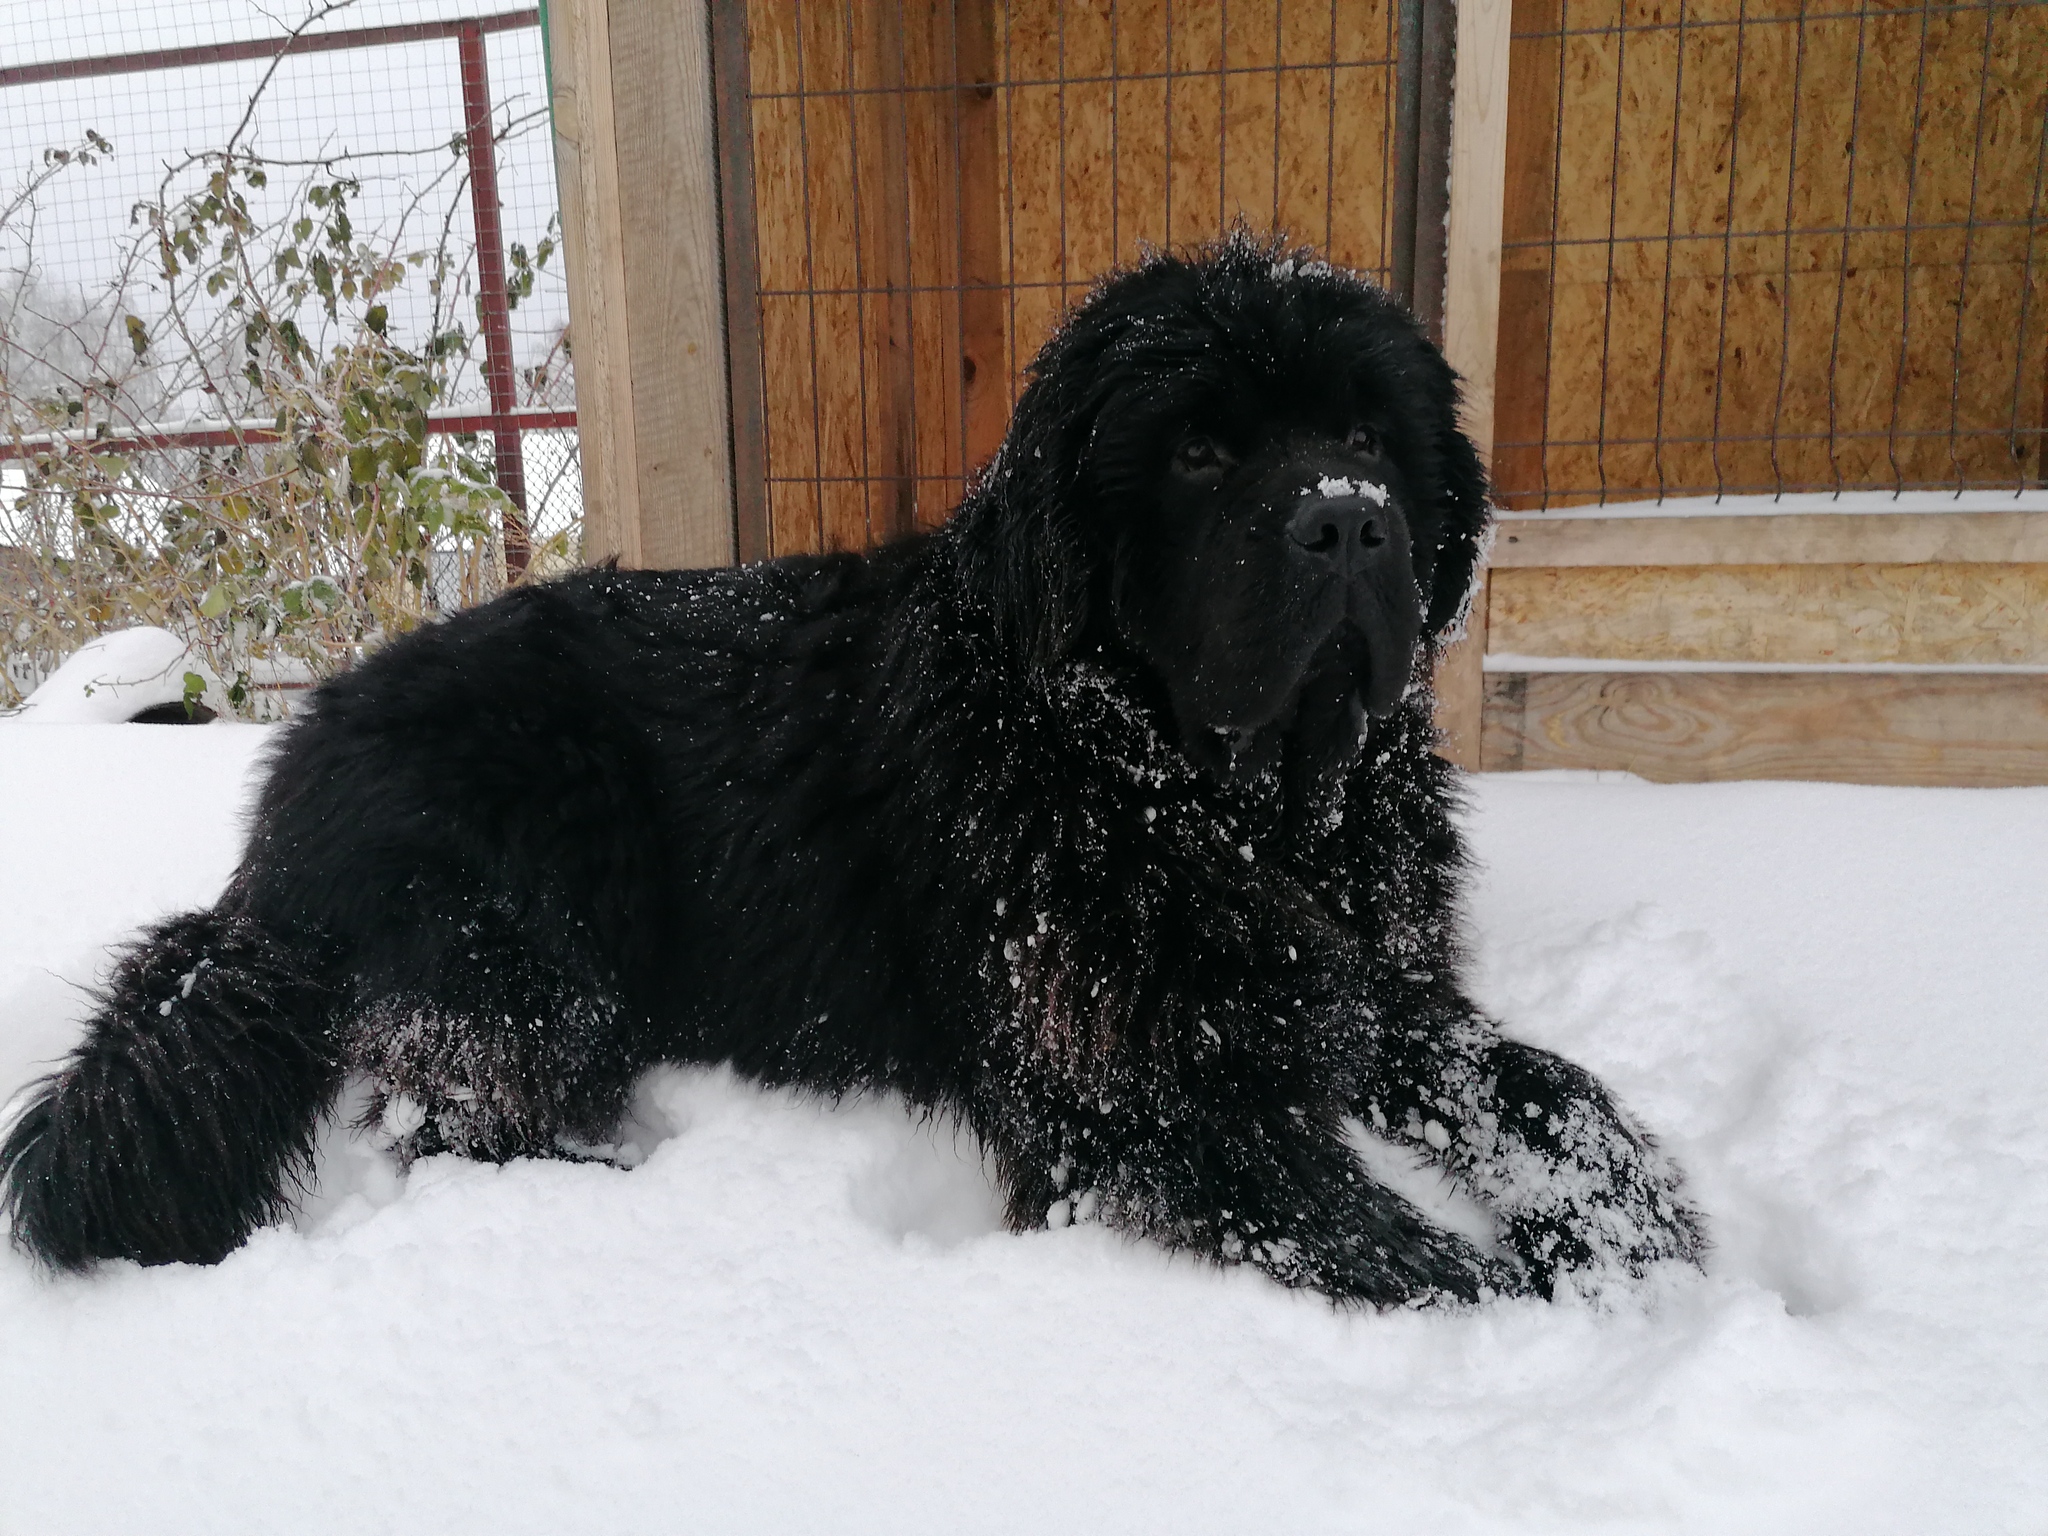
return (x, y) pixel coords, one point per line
(865, 247)
(1786, 538)
(920, 237)
(1798, 613)
(1722, 295)
(1693, 726)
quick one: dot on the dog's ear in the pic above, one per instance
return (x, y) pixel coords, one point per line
(1466, 522)
(1023, 525)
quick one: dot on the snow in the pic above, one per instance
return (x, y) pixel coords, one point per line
(112, 678)
(1331, 486)
(795, 1317)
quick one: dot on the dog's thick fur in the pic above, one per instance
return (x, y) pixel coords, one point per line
(1105, 819)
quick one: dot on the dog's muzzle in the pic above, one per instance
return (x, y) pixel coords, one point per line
(1361, 541)
(1349, 534)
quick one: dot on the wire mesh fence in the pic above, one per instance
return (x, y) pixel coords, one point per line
(1764, 246)
(217, 236)
(931, 184)
(1751, 245)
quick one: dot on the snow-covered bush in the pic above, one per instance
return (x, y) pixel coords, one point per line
(320, 515)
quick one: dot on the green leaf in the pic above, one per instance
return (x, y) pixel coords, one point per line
(138, 334)
(214, 604)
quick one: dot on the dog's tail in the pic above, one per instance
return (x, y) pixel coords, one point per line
(185, 1119)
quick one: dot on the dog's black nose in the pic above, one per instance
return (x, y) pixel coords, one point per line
(1347, 531)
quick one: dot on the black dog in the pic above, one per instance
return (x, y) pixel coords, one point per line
(1104, 819)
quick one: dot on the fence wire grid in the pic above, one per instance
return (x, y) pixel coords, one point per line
(1750, 245)
(929, 185)
(109, 108)
(1756, 246)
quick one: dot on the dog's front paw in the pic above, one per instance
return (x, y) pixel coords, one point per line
(1577, 1188)
(1611, 1207)
(1373, 1248)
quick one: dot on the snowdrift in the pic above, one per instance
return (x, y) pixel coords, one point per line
(792, 1316)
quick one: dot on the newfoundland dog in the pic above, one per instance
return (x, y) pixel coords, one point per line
(1103, 820)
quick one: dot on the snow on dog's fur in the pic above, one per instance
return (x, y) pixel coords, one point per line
(1104, 819)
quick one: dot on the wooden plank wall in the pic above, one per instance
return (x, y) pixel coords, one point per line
(1984, 730)
(1784, 248)
(1772, 247)
(1745, 248)
(1883, 647)
(936, 181)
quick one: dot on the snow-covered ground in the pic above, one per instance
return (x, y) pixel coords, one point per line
(799, 1318)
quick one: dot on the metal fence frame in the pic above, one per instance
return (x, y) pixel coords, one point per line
(504, 419)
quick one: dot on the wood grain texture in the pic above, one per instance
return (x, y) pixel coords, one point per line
(1521, 372)
(1891, 538)
(669, 231)
(1700, 726)
(1472, 311)
(1947, 614)
(1721, 294)
(739, 249)
(918, 241)
(587, 172)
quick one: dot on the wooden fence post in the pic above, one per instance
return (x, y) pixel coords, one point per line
(637, 165)
(1479, 120)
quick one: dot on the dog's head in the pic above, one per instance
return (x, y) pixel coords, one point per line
(1244, 468)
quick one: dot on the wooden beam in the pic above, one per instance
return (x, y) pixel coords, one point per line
(1858, 728)
(1422, 157)
(984, 317)
(636, 153)
(1472, 310)
(1824, 538)
(1936, 613)
(587, 174)
(739, 227)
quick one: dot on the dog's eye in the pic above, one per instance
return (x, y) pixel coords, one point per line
(1363, 440)
(1197, 453)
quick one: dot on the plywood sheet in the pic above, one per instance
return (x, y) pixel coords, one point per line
(1809, 613)
(1694, 726)
(1792, 538)
(1752, 274)
(920, 237)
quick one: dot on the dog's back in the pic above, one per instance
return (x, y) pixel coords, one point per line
(469, 875)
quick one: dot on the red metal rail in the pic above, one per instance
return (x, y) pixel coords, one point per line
(504, 421)
(262, 48)
(514, 422)
(492, 301)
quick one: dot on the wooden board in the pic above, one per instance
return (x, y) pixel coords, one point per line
(636, 155)
(587, 172)
(740, 249)
(1472, 312)
(675, 312)
(1828, 538)
(1870, 728)
(1924, 614)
